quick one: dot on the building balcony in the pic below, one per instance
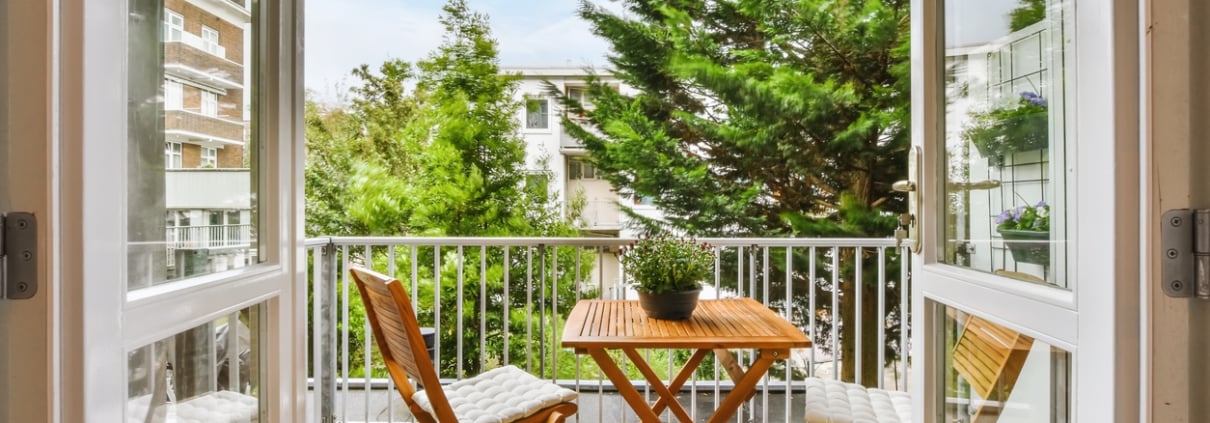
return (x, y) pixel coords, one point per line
(208, 189)
(189, 60)
(600, 216)
(197, 128)
(535, 281)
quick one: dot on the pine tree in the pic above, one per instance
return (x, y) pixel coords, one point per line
(758, 117)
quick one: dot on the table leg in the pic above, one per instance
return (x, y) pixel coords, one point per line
(623, 385)
(666, 396)
(745, 386)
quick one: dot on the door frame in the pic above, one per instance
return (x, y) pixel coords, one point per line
(1097, 319)
(26, 184)
(1174, 88)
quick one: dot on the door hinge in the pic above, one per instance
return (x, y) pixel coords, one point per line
(1185, 250)
(18, 255)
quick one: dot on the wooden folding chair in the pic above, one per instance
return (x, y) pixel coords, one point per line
(505, 394)
(989, 356)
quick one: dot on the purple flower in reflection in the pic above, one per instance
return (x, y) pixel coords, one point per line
(1033, 98)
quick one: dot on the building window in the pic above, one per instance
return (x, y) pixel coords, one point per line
(174, 26)
(210, 40)
(172, 155)
(209, 157)
(579, 95)
(174, 95)
(537, 183)
(537, 114)
(577, 169)
(209, 103)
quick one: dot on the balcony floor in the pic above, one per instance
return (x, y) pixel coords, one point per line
(594, 407)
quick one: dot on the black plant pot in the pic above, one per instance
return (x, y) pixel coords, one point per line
(669, 305)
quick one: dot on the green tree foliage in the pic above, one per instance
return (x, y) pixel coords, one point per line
(1028, 13)
(759, 117)
(434, 150)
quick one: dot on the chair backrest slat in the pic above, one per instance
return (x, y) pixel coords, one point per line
(397, 334)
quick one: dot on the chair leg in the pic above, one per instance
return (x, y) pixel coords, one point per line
(556, 417)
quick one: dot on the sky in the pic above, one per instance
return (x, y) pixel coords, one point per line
(343, 34)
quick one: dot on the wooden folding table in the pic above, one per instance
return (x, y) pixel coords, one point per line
(596, 326)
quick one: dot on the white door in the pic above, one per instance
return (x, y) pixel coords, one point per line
(1025, 305)
(131, 326)
(25, 185)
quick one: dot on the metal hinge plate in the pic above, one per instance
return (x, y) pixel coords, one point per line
(18, 255)
(1185, 250)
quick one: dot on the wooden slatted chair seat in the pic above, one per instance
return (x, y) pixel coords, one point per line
(989, 356)
(502, 395)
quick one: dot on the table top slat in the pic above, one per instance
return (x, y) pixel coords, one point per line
(725, 323)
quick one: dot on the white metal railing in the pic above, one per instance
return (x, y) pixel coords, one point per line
(539, 279)
(209, 236)
(199, 43)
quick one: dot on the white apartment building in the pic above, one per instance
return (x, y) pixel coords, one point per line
(567, 164)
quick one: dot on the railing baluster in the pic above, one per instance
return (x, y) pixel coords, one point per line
(835, 312)
(554, 314)
(579, 250)
(390, 382)
(881, 345)
(904, 323)
(859, 287)
(765, 381)
(344, 332)
(459, 316)
(369, 345)
(482, 307)
(508, 299)
(437, 309)
(317, 367)
(788, 310)
(811, 311)
(529, 308)
(327, 293)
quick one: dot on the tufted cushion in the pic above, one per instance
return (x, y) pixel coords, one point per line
(831, 401)
(500, 395)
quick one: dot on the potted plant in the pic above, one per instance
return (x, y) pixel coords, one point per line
(667, 272)
(1000, 132)
(1026, 232)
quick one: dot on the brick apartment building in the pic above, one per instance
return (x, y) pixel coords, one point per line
(206, 134)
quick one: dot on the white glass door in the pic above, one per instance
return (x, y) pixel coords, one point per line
(1017, 309)
(178, 283)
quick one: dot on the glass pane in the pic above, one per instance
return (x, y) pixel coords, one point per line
(190, 145)
(210, 373)
(993, 373)
(1005, 136)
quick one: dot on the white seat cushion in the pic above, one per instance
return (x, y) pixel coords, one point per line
(831, 401)
(500, 395)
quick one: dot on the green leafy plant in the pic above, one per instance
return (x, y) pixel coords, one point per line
(662, 263)
(1025, 218)
(1021, 127)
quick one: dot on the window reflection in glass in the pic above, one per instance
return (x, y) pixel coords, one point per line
(993, 373)
(211, 373)
(1005, 136)
(190, 67)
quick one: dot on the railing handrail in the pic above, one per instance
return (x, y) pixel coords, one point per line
(589, 242)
